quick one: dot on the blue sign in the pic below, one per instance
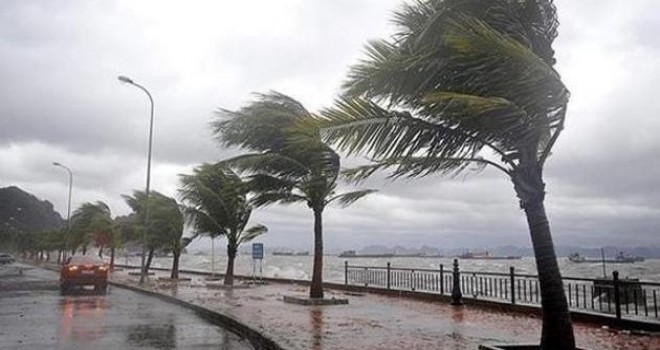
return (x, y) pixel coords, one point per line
(257, 250)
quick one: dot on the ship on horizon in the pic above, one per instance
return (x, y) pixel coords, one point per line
(354, 254)
(290, 253)
(619, 259)
(487, 256)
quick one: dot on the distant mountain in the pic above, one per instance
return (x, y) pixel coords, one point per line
(510, 250)
(22, 211)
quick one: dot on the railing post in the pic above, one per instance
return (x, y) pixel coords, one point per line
(456, 295)
(512, 275)
(345, 272)
(388, 274)
(617, 295)
(442, 279)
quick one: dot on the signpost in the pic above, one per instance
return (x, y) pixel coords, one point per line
(257, 255)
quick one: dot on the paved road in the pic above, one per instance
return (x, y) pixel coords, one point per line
(34, 316)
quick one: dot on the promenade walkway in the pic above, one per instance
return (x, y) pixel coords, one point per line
(374, 321)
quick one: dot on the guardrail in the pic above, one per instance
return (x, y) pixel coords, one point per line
(621, 298)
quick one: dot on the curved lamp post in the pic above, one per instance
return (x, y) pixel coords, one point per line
(127, 80)
(68, 208)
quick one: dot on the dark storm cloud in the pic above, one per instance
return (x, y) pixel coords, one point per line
(60, 101)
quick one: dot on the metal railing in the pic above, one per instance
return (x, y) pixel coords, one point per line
(622, 298)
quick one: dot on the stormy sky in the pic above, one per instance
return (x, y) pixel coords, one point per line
(60, 100)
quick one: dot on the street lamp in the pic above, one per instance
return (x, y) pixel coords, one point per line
(127, 80)
(68, 208)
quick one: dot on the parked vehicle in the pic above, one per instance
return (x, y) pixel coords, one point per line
(6, 259)
(82, 270)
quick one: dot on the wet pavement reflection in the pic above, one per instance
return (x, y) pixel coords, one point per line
(42, 319)
(316, 320)
(378, 322)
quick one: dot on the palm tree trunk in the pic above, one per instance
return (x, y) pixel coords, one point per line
(84, 249)
(212, 256)
(101, 252)
(231, 256)
(150, 257)
(557, 330)
(316, 290)
(112, 258)
(175, 265)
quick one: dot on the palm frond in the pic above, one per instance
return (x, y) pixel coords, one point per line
(273, 163)
(284, 197)
(348, 198)
(252, 233)
(359, 125)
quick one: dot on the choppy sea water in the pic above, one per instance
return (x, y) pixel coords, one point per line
(300, 267)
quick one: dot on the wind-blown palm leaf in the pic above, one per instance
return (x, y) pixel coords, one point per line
(356, 125)
(348, 198)
(270, 163)
(252, 233)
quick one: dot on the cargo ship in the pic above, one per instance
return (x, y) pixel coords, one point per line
(354, 254)
(619, 259)
(486, 256)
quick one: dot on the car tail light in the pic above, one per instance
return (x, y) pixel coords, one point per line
(103, 268)
(73, 268)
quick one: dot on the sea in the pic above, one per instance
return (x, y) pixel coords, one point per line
(300, 267)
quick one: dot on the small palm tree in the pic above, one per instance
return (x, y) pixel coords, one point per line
(165, 221)
(466, 83)
(217, 205)
(91, 220)
(289, 163)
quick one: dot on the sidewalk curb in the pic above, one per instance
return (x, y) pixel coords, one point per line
(258, 340)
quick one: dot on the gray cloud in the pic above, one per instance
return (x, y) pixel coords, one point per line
(60, 101)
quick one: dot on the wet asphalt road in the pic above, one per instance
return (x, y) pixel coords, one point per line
(33, 315)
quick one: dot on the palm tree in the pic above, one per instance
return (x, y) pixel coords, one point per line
(466, 83)
(218, 206)
(92, 220)
(289, 163)
(165, 222)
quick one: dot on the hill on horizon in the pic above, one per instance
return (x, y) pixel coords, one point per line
(22, 211)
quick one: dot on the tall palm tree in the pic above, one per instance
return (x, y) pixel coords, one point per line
(289, 163)
(466, 83)
(218, 206)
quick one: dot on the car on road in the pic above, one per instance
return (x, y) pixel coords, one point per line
(83, 270)
(6, 259)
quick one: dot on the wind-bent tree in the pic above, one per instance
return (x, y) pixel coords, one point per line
(466, 83)
(217, 205)
(289, 163)
(92, 220)
(165, 222)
